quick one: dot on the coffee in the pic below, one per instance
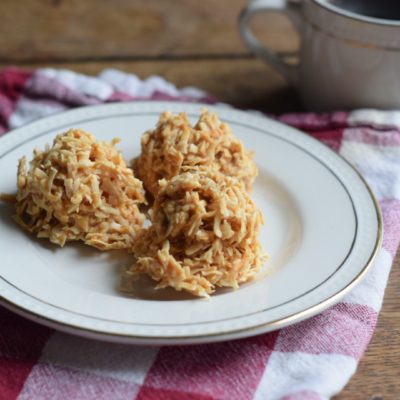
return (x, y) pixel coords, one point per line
(383, 9)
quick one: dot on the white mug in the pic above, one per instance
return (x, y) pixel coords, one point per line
(346, 60)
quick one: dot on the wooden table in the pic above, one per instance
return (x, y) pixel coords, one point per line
(189, 42)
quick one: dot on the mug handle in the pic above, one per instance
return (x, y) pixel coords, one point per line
(292, 10)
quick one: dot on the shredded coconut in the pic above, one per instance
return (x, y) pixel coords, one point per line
(79, 189)
(174, 144)
(204, 233)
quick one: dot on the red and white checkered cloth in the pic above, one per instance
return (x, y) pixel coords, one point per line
(311, 360)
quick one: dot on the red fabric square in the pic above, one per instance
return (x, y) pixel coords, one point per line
(21, 344)
(52, 382)
(230, 370)
(13, 374)
(342, 329)
(150, 393)
(332, 138)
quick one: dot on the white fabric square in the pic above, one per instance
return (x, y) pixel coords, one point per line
(126, 363)
(88, 85)
(288, 373)
(27, 110)
(369, 290)
(379, 165)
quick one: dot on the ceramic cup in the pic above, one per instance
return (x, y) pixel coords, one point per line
(346, 59)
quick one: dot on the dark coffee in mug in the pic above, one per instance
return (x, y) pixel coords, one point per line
(383, 9)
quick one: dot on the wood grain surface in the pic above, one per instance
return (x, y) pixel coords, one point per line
(54, 30)
(190, 43)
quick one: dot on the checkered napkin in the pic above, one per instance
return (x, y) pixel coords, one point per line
(311, 360)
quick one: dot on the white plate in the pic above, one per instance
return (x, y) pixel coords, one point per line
(322, 231)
